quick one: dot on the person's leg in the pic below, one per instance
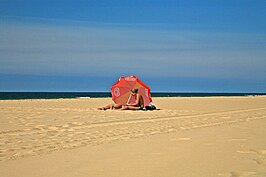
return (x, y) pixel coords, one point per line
(117, 106)
(106, 107)
(133, 108)
(124, 108)
(130, 108)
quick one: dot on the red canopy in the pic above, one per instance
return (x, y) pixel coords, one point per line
(122, 88)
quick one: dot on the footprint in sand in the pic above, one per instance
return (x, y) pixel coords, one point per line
(65, 126)
(70, 129)
(242, 174)
(237, 139)
(181, 139)
(245, 152)
(77, 123)
(184, 139)
(260, 152)
(52, 128)
(261, 161)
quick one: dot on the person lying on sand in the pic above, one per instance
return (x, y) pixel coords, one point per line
(111, 107)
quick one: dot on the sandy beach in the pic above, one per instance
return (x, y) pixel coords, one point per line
(197, 136)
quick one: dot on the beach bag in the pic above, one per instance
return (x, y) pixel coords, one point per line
(150, 107)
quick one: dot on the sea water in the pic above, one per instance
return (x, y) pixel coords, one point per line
(87, 95)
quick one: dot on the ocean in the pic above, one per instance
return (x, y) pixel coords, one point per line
(58, 95)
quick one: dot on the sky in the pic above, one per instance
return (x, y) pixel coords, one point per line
(171, 45)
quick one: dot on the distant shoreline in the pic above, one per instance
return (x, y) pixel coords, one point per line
(72, 95)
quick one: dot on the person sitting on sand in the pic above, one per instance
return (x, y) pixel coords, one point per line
(111, 107)
(139, 103)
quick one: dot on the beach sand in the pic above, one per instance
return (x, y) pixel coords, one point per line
(201, 137)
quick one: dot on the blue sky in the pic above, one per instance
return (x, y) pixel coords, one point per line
(178, 46)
